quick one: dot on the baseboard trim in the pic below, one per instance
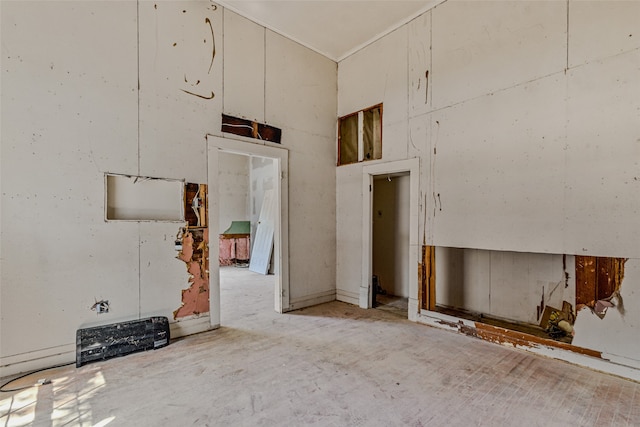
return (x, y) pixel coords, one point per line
(38, 359)
(348, 297)
(191, 325)
(310, 300)
(63, 354)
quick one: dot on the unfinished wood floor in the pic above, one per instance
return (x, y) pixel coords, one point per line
(330, 365)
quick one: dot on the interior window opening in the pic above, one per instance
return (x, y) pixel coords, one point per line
(360, 136)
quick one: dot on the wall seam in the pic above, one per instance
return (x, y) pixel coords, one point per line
(567, 66)
(138, 77)
(408, 86)
(138, 141)
(565, 159)
(139, 270)
(224, 12)
(431, 219)
(264, 73)
(455, 104)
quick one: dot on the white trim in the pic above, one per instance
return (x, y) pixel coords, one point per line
(347, 296)
(309, 300)
(191, 325)
(63, 354)
(39, 359)
(412, 166)
(216, 144)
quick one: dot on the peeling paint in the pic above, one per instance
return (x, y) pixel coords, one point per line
(195, 254)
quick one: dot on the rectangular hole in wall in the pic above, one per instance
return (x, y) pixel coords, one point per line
(136, 198)
(523, 293)
(250, 129)
(360, 136)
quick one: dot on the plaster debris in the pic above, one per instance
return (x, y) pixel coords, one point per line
(559, 323)
(601, 306)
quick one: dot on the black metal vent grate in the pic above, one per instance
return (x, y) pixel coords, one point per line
(119, 339)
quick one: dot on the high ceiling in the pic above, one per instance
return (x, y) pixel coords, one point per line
(333, 28)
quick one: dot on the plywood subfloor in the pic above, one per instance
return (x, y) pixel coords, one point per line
(330, 365)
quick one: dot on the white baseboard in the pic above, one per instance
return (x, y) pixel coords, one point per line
(347, 296)
(309, 300)
(46, 358)
(191, 325)
(38, 359)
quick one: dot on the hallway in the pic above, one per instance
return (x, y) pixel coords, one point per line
(330, 365)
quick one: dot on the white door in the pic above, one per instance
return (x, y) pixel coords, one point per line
(263, 245)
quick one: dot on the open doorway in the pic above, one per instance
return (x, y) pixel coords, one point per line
(397, 184)
(390, 243)
(241, 174)
(245, 235)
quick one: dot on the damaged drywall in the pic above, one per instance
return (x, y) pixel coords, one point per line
(615, 334)
(195, 254)
(598, 283)
(192, 242)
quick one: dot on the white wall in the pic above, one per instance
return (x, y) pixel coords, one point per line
(234, 189)
(402, 227)
(294, 89)
(301, 99)
(72, 110)
(527, 135)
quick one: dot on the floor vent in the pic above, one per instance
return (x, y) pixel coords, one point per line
(119, 339)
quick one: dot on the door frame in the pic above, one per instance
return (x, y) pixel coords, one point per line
(215, 145)
(412, 167)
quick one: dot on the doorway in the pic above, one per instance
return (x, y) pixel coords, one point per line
(390, 243)
(393, 214)
(221, 149)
